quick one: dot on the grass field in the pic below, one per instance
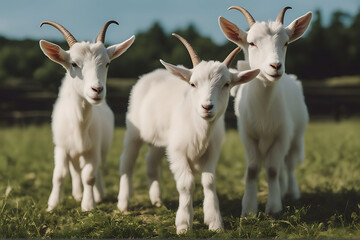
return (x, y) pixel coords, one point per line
(329, 180)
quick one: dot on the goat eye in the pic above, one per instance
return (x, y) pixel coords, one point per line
(252, 44)
(74, 65)
(227, 85)
(107, 65)
(193, 85)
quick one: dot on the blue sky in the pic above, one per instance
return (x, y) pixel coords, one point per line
(83, 18)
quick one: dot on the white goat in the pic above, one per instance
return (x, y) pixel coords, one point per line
(181, 110)
(271, 112)
(82, 122)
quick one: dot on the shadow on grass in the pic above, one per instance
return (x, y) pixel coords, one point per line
(321, 206)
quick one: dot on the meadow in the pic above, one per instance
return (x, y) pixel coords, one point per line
(329, 180)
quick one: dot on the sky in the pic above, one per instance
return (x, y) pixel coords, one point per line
(20, 19)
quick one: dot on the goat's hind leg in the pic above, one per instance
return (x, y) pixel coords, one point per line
(132, 144)
(99, 192)
(153, 161)
(296, 155)
(273, 166)
(283, 178)
(250, 199)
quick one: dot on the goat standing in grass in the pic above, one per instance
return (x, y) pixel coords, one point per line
(82, 122)
(180, 111)
(271, 112)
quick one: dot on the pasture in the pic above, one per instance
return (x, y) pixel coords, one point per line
(329, 180)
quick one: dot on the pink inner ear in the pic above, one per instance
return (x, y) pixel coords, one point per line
(300, 27)
(230, 30)
(53, 52)
(178, 74)
(121, 49)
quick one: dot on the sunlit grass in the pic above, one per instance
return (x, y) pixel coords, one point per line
(329, 181)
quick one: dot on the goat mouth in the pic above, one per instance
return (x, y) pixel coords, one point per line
(274, 77)
(207, 115)
(95, 100)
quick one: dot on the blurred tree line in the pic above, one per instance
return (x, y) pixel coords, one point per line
(325, 51)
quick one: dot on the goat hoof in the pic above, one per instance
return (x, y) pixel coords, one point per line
(87, 206)
(122, 206)
(77, 198)
(98, 199)
(182, 229)
(50, 208)
(215, 225)
(245, 214)
(157, 203)
(216, 229)
(273, 211)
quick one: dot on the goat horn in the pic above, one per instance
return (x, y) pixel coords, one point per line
(228, 60)
(280, 17)
(194, 57)
(101, 36)
(247, 15)
(67, 35)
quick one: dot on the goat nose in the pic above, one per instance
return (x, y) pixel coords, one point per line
(276, 66)
(207, 107)
(97, 89)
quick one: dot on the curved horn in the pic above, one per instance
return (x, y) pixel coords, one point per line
(194, 57)
(228, 60)
(280, 17)
(101, 35)
(67, 35)
(247, 15)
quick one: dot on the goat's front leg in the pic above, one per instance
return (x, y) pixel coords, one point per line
(273, 162)
(89, 165)
(60, 170)
(250, 199)
(75, 172)
(212, 216)
(185, 185)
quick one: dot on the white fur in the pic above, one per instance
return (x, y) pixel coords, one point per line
(82, 122)
(271, 112)
(166, 112)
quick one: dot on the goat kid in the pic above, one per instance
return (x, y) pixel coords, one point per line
(82, 122)
(271, 112)
(180, 111)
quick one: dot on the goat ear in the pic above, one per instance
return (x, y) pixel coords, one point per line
(244, 76)
(232, 32)
(115, 51)
(182, 72)
(298, 27)
(55, 53)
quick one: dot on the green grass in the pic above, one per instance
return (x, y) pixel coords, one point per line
(329, 180)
